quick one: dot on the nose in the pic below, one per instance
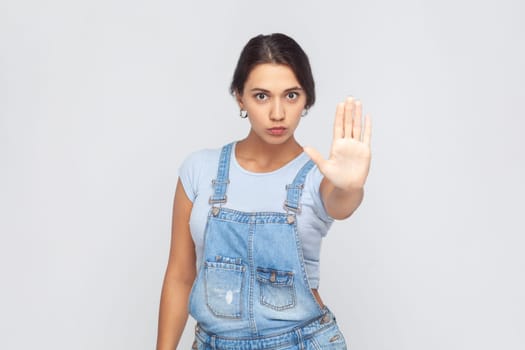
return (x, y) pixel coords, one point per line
(277, 112)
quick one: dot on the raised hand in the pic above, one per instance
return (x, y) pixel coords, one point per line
(349, 161)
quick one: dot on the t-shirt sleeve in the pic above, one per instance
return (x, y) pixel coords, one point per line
(315, 182)
(189, 172)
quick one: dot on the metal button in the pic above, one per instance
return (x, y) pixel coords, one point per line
(215, 211)
(290, 218)
(325, 319)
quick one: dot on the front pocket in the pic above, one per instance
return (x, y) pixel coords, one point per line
(224, 282)
(330, 338)
(276, 288)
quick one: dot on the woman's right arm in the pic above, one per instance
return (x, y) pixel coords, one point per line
(179, 276)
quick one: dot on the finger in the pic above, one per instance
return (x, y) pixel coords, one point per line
(368, 130)
(338, 123)
(315, 156)
(356, 129)
(349, 112)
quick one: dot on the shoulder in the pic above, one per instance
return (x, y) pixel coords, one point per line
(312, 186)
(201, 157)
(313, 179)
(197, 168)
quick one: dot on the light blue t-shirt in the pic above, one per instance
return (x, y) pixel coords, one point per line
(250, 192)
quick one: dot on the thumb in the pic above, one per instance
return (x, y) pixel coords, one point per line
(315, 156)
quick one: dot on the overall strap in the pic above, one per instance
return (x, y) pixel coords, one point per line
(220, 184)
(295, 189)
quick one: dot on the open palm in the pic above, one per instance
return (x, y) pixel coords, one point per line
(349, 161)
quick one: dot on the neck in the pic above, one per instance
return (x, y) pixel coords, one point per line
(257, 155)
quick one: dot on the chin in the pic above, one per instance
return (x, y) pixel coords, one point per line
(275, 140)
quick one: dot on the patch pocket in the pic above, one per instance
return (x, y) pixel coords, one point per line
(224, 283)
(276, 288)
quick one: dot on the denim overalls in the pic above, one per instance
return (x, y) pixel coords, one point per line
(252, 291)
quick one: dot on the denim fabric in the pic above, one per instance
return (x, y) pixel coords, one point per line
(257, 192)
(252, 282)
(319, 334)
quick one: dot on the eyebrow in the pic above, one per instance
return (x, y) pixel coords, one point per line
(295, 88)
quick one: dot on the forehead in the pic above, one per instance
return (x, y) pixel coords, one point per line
(272, 77)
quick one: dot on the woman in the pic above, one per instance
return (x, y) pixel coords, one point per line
(248, 218)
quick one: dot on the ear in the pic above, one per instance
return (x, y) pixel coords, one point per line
(238, 98)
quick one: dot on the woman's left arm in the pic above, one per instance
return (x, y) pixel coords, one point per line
(346, 170)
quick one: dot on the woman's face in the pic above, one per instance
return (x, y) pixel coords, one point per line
(274, 100)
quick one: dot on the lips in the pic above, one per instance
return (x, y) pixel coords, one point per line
(277, 130)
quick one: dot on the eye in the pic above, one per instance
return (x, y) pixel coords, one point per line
(292, 95)
(260, 96)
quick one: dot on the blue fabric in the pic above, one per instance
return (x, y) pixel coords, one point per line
(221, 182)
(295, 189)
(257, 192)
(251, 290)
(319, 333)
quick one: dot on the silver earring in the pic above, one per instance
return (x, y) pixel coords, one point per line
(304, 112)
(243, 113)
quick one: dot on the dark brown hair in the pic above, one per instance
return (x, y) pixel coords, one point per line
(274, 48)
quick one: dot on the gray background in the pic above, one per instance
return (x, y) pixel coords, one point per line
(100, 101)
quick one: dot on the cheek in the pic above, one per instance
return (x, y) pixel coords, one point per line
(258, 111)
(256, 116)
(296, 110)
